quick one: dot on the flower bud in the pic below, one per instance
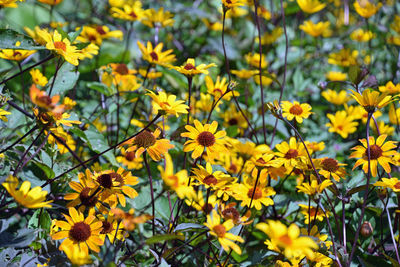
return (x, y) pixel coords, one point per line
(366, 229)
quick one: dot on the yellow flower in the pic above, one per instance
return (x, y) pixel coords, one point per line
(38, 78)
(131, 12)
(129, 158)
(253, 59)
(156, 56)
(190, 69)
(159, 18)
(380, 153)
(97, 33)
(29, 198)
(200, 203)
(392, 183)
(341, 123)
(314, 187)
(50, 2)
(204, 137)
(232, 3)
(109, 229)
(383, 128)
(50, 118)
(365, 8)
(394, 115)
(270, 38)
(127, 219)
(330, 167)
(211, 179)
(310, 6)
(360, 35)
(151, 74)
(79, 232)
(60, 46)
(178, 182)
(336, 76)
(292, 154)
(264, 79)
(390, 88)
(219, 88)
(167, 103)
(221, 232)
(16, 54)
(345, 58)
(3, 113)
(311, 213)
(258, 196)
(296, 111)
(233, 117)
(287, 240)
(41, 98)
(315, 30)
(213, 26)
(370, 100)
(244, 74)
(64, 136)
(336, 98)
(9, 3)
(76, 255)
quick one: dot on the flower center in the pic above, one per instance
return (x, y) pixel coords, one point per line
(233, 168)
(330, 165)
(100, 30)
(80, 232)
(296, 110)
(105, 180)
(16, 53)
(130, 156)
(210, 179)
(375, 152)
(220, 230)
(292, 153)
(231, 213)
(233, 121)
(86, 198)
(206, 139)
(257, 193)
(189, 66)
(397, 185)
(45, 99)
(107, 228)
(133, 15)
(154, 56)
(207, 208)
(286, 240)
(122, 69)
(261, 161)
(145, 139)
(60, 45)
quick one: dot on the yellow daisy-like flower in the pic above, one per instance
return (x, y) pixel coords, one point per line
(64, 136)
(168, 104)
(50, 2)
(342, 123)
(345, 57)
(211, 179)
(291, 154)
(244, 74)
(336, 76)
(310, 6)
(109, 229)
(204, 137)
(370, 100)
(392, 183)
(9, 3)
(295, 110)
(129, 158)
(128, 220)
(233, 3)
(156, 56)
(76, 255)
(38, 78)
(336, 98)
(287, 240)
(380, 153)
(190, 69)
(360, 35)
(390, 88)
(79, 232)
(15, 54)
(311, 213)
(331, 167)
(314, 187)
(159, 18)
(258, 196)
(220, 231)
(253, 59)
(315, 30)
(394, 115)
(365, 8)
(97, 33)
(201, 203)
(3, 113)
(61, 46)
(41, 99)
(29, 198)
(129, 12)
(219, 88)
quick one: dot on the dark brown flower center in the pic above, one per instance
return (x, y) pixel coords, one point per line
(105, 180)
(257, 193)
(122, 69)
(261, 161)
(231, 213)
(296, 110)
(107, 228)
(220, 230)
(207, 208)
(210, 180)
(154, 56)
(60, 45)
(100, 30)
(330, 165)
(130, 156)
(80, 232)
(233, 121)
(292, 153)
(189, 66)
(16, 53)
(233, 168)
(133, 15)
(397, 185)
(206, 139)
(45, 99)
(117, 177)
(87, 198)
(145, 139)
(375, 152)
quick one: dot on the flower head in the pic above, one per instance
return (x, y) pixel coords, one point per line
(315, 29)
(130, 12)
(310, 6)
(3, 113)
(342, 123)
(296, 111)
(370, 100)
(168, 104)
(190, 69)
(155, 55)
(392, 183)
(365, 8)
(157, 18)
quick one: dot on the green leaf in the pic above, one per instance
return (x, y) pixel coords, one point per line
(8, 39)
(162, 238)
(65, 80)
(186, 227)
(23, 238)
(46, 169)
(354, 71)
(100, 87)
(72, 35)
(98, 144)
